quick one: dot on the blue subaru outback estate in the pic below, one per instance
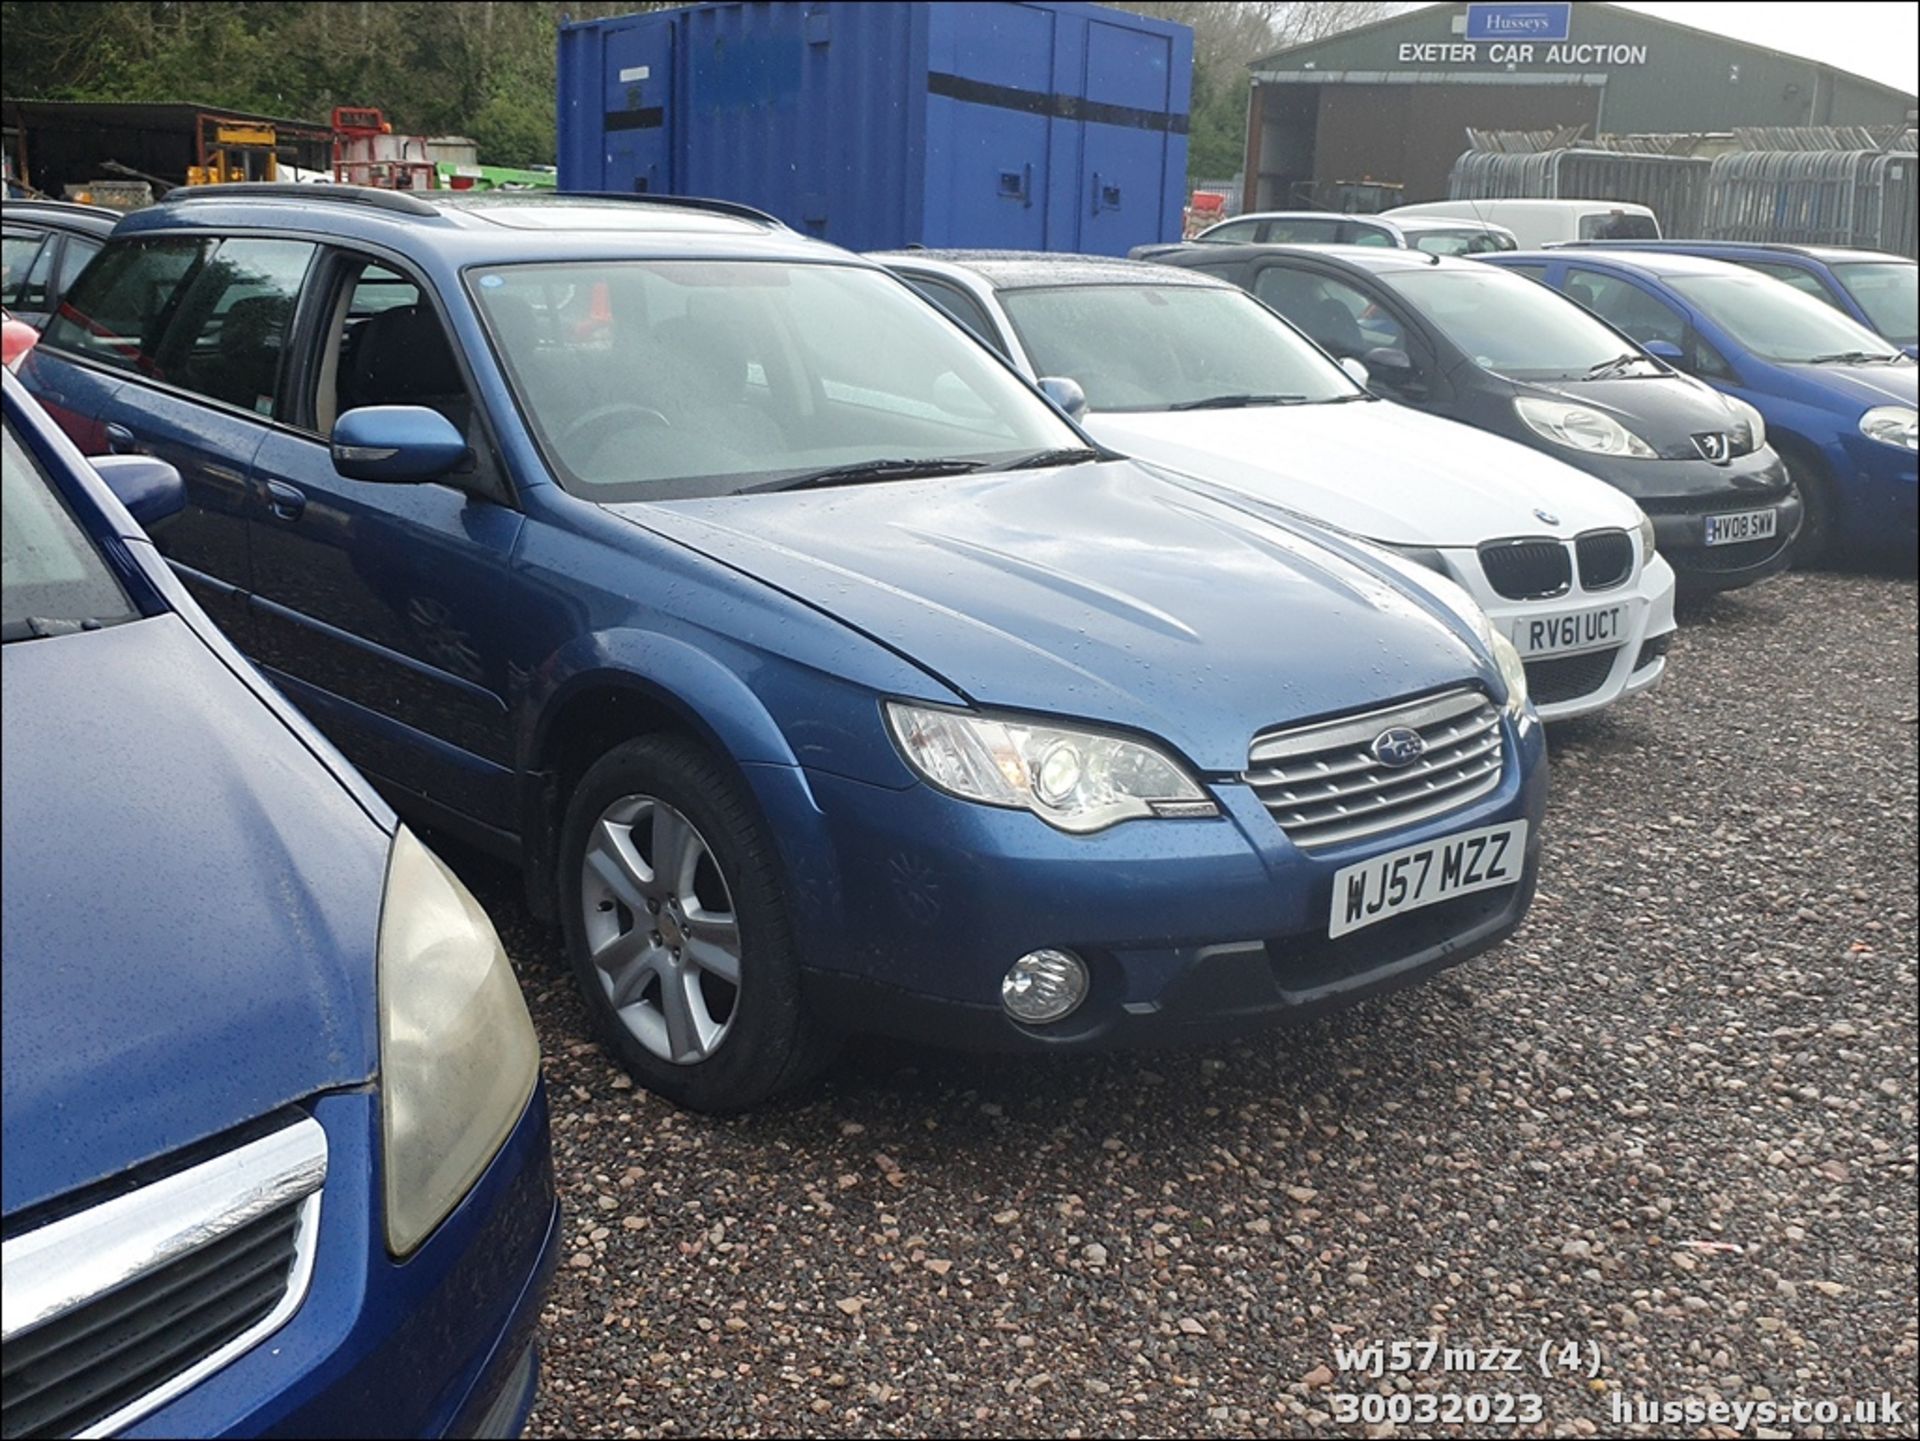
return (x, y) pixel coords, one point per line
(276, 1145)
(818, 672)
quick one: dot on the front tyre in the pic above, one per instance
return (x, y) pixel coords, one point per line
(677, 928)
(1808, 477)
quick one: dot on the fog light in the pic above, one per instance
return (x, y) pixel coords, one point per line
(1044, 986)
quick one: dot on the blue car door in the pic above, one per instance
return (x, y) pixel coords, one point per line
(198, 329)
(385, 610)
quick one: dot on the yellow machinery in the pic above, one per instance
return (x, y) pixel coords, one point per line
(234, 150)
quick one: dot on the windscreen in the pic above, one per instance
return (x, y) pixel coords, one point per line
(1777, 321)
(51, 578)
(1508, 324)
(1160, 347)
(1885, 289)
(650, 380)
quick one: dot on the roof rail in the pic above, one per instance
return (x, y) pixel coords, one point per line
(688, 202)
(396, 200)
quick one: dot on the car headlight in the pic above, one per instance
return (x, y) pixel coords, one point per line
(1513, 671)
(1647, 537)
(458, 1057)
(1750, 429)
(1078, 780)
(1892, 425)
(1579, 427)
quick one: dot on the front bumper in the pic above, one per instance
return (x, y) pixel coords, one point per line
(1568, 683)
(440, 1344)
(1678, 495)
(1190, 928)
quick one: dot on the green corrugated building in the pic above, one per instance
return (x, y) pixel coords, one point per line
(1391, 102)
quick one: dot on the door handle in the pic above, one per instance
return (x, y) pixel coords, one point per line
(285, 501)
(120, 440)
(223, 472)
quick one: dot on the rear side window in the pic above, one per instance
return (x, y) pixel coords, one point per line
(1233, 232)
(27, 261)
(1365, 235)
(119, 310)
(1303, 232)
(230, 327)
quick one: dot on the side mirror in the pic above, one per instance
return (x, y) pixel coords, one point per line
(150, 489)
(1665, 350)
(397, 444)
(1356, 371)
(1066, 394)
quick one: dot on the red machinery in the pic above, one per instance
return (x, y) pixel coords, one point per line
(367, 152)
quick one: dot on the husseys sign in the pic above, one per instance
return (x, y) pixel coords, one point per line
(1518, 35)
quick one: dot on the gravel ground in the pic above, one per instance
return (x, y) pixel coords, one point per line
(1673, 1118)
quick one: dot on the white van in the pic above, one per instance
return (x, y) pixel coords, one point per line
(1535, 223)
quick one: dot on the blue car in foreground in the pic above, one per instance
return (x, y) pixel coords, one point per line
(1838, 401)
(819, 674)
(276, 1143)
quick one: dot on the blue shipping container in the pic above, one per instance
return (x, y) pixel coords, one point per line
(1000, 125)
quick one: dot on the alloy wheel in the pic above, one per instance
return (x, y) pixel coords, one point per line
(660, 929)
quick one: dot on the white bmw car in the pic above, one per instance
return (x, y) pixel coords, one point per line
(1191, 373)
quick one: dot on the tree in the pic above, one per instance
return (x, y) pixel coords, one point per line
(1229, 37)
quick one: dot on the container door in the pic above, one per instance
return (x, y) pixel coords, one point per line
(639, 71)
(1128, 140)
(990, 107)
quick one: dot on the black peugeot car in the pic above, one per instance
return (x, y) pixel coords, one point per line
(1498, 351)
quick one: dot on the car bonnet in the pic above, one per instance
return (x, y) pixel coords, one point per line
(192, 906)
(1103, 591)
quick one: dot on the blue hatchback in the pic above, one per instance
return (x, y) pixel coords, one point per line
(276, 1144)
(1876, 288)
(817, 672)
(1838, 401)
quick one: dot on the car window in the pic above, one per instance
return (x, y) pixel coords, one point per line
(1777, 321)
(386, 345)
(1802, 280)
(1625, 305)
(1340, 318)
(1366, 235)
(1618, 225)
(958, 305)
(1153, 347)
(1532, 272)
(1507, 324)
(230, 327)
(51, 577)
(1886, 291)
(1233, 232)
(1302, 230)
(118, 311)
(73, 259)
(648, 380)
(25, 258)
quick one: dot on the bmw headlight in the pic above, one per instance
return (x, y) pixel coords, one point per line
(1750, 426)
(1078, 780)
(458, 1057)
(1892, 425)
(1647, 537)
(1580, 427)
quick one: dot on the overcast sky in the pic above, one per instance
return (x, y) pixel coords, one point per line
(1875, 38)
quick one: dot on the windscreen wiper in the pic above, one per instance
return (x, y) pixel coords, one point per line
(1070, 455)
(40, 627)
(1613, 366)
(868, 470)
(1854, 357)
(1235, 402)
